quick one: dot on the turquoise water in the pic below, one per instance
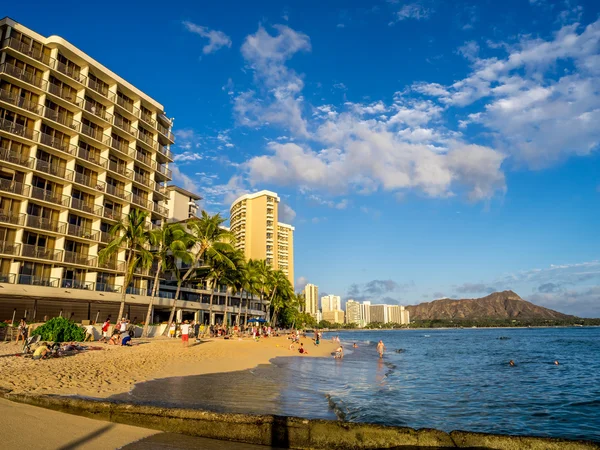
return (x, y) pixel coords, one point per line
(456, 379)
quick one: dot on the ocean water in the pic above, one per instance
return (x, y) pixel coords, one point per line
(456, 379)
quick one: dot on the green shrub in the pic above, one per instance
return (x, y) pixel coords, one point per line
(60, 329)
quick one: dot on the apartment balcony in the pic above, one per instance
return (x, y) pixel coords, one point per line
(121, 169)
(94, 133)
(97, 87)
(111, 214)
(166, 133)
(20, 102)
(8, 278)
(146, 181)
(33, 251)
(160, 209)
(25, 49)
(136, 291)
(83, 232)
(34, 280)
(9, 248)
(27, 77)
(148, 140)
(108, 287)
(62, 118)
(49, 196)
(139, 200)
(18, 130)
(144, 159)
(57, 144)
(79, 259)
(118, 192)
(121, 124)
(126, 105)
(112, 265)
(87, 207)
(162, 169)
(147, 118)
(105, 237)
(93, 158)
(90, 182)
(141, 271)
(46, 224)
(97, 111)
(13, 157)
(69, 71)
(119, 146)
(163, 150)
(12, 218)
(54, 169)
(67, 283)
(65, 94)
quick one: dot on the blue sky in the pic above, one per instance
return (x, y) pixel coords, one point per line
(421, 149)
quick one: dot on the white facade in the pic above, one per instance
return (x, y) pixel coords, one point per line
(365, 313)
(331, 303)
(353, 312)
(311, 299)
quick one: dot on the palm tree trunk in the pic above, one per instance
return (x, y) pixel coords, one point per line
(225, 321)
(210, 306)
(126, 284)
(154, 289)
(246, 315)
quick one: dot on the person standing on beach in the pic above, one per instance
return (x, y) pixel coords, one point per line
(105, 327)
(380, 349)
(22, 331)
(185, 333)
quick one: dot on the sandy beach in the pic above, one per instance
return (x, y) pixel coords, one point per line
(113, 370)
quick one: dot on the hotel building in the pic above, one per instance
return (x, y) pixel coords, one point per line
(79, 148)
(182, 204)
(353, 312)
(331, 303)
(365, 313)
(254, 221)
(389, 314)
(311, 299)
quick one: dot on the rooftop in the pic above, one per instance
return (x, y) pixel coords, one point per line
(182, 191)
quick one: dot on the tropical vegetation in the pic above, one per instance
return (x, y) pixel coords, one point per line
(60, 329)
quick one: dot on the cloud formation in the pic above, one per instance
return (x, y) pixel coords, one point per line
(216, 39)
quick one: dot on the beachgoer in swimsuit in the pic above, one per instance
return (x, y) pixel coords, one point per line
(339, 352)
(380, 349)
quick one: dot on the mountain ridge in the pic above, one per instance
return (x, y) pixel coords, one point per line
(497, 305)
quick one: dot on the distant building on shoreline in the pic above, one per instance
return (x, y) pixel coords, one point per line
(365, 313)
(331, 303)
(336, 316)
(388, 314)
(311, 299)
(255, 224)
(353, 312)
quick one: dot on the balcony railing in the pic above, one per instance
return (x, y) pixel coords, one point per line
(33, 251)
(139, 200)
(136, 291)
(66, 94)
(105, 237)
(84, 206)
(71, 72)
(54, 169)
(124, 104)
(57, 143)
(118, 192)
(90, 182)
(159, 209)
(9, 248)
(22, 75)
(14, 157)
(67, 283)
(93, 133)
(111, 214)
(165, 132)
(165, 151)
(62, 118)
(123, 147)
(163, 169)
(11, 217)
(46, 224)
(107, 287)
(79, 258)
(97, 111)
(35, 280)
(147, 118)
(125, 126)
(8, 278)
(144, 159)
(83, 232)
(14, 187)
(148, 140)
(26, 49)
(112, 265)
(146, 181)
(49, 196)
(99, 88)
(91, 157)
(19, 102)
(18, 129)
(119, 168)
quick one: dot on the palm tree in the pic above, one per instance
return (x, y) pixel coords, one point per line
(263, 273)
(250, 280)
(281, 293)
(233, 279)
(171, 242)
(211, 241)
(132, 235)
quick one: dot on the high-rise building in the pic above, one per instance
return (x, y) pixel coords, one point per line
(394, 313)
(79, 148)
(379, 313)
(389, 314)
(365, 313)
(259, 234)
(331, 303)
(311, 299)
(353, 312)
(182, 203)
(335, 316)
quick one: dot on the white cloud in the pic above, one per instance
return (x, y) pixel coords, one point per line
(286, 213)
(469, 50)
(184, 180)
(187, 156)
(216, 39)
(415, 11)
(342, 204)
(300, 283)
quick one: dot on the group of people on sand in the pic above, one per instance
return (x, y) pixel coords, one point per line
(121, 334)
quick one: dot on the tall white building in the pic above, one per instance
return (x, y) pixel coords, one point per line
(389, 314)
(311, 299)
(353, 312)
(365, 313)
(331, 303)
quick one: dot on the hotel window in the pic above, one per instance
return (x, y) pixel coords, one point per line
(70, 67)
(98, 85)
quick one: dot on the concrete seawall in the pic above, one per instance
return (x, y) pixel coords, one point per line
(287, 432)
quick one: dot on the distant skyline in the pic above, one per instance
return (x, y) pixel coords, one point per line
(421, 149)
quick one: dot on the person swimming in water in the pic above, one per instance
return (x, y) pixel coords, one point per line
(354, 345)
(511, 363)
